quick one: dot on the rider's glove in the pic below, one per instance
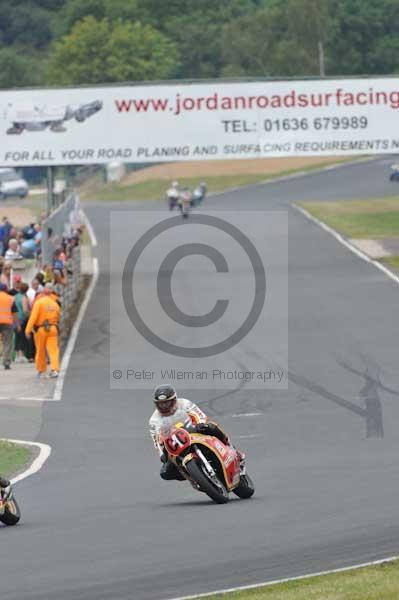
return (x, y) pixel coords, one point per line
(202, 428)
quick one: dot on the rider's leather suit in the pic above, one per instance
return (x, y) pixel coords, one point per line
(184, 409)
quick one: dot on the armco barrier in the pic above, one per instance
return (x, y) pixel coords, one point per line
(63, 222)
(69, 293)
(60, 223)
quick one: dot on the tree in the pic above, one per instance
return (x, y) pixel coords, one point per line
(99, 51)
(281, 40)
(159, 13)
(76, 10)
(138, 53)
(196, 26)
(25, 24)
(362, 37)
(15, 70)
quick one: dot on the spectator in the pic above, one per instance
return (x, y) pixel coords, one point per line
(2, 238)
(8, 318)
(12, 233)
(29, 248)
(60, 280)
(29, 231)
(38, 233)
(16, 285)
(59, 259)
(13, 252)
(22, 304)
(48, 274)
(40, 277)
(5, 276)
(35, 288)
(7, 227)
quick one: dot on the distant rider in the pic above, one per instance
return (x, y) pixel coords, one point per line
(172, 195)
(185, 200)
(168, 404)
(199, 193)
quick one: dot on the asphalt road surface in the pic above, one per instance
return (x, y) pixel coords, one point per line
(99, 523)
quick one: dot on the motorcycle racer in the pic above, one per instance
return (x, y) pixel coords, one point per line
(167, 404)
(173, 194)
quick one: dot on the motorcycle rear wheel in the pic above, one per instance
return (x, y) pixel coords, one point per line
(12, 514)
(245, 488)
(218, 495)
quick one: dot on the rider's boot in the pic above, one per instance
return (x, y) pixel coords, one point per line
(241, 456)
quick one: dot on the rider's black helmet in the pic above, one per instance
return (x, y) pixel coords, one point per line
(165, 399)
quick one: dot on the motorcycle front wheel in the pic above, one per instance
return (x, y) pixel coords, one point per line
(217, 493)
(12, 514)
(246, 488)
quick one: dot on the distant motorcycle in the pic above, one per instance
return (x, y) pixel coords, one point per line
(185, 203)
(394, 176)
(209, 465)
(10, 513)
(198, 194)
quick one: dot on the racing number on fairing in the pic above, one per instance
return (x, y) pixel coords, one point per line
(178, 441)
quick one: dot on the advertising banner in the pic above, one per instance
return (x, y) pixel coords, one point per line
(199, 121)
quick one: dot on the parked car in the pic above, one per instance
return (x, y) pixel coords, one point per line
(12, 184)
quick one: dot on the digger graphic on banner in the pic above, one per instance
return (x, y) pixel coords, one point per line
(39, 118)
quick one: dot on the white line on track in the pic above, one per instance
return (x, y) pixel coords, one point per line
(89, 227)
(347, 244)
(44, 453)
(25, 399)
(74, 334)
(254, 414)
(277, 581)
(75, 330)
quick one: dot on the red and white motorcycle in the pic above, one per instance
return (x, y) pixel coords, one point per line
(209, 465)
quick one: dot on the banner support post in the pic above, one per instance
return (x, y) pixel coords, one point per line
(321, 59)
(50, 190)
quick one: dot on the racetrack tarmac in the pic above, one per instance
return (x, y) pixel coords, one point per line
(98, 523)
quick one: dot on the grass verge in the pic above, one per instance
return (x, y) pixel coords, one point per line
(378, 582)
(155, 190)
(391, 261)
(13, 457)
(377, 218)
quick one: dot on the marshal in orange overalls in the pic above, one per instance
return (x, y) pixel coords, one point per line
(44, 320)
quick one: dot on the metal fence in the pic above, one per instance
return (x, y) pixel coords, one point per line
(60, 223)
(63, 223)
(69, 293)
